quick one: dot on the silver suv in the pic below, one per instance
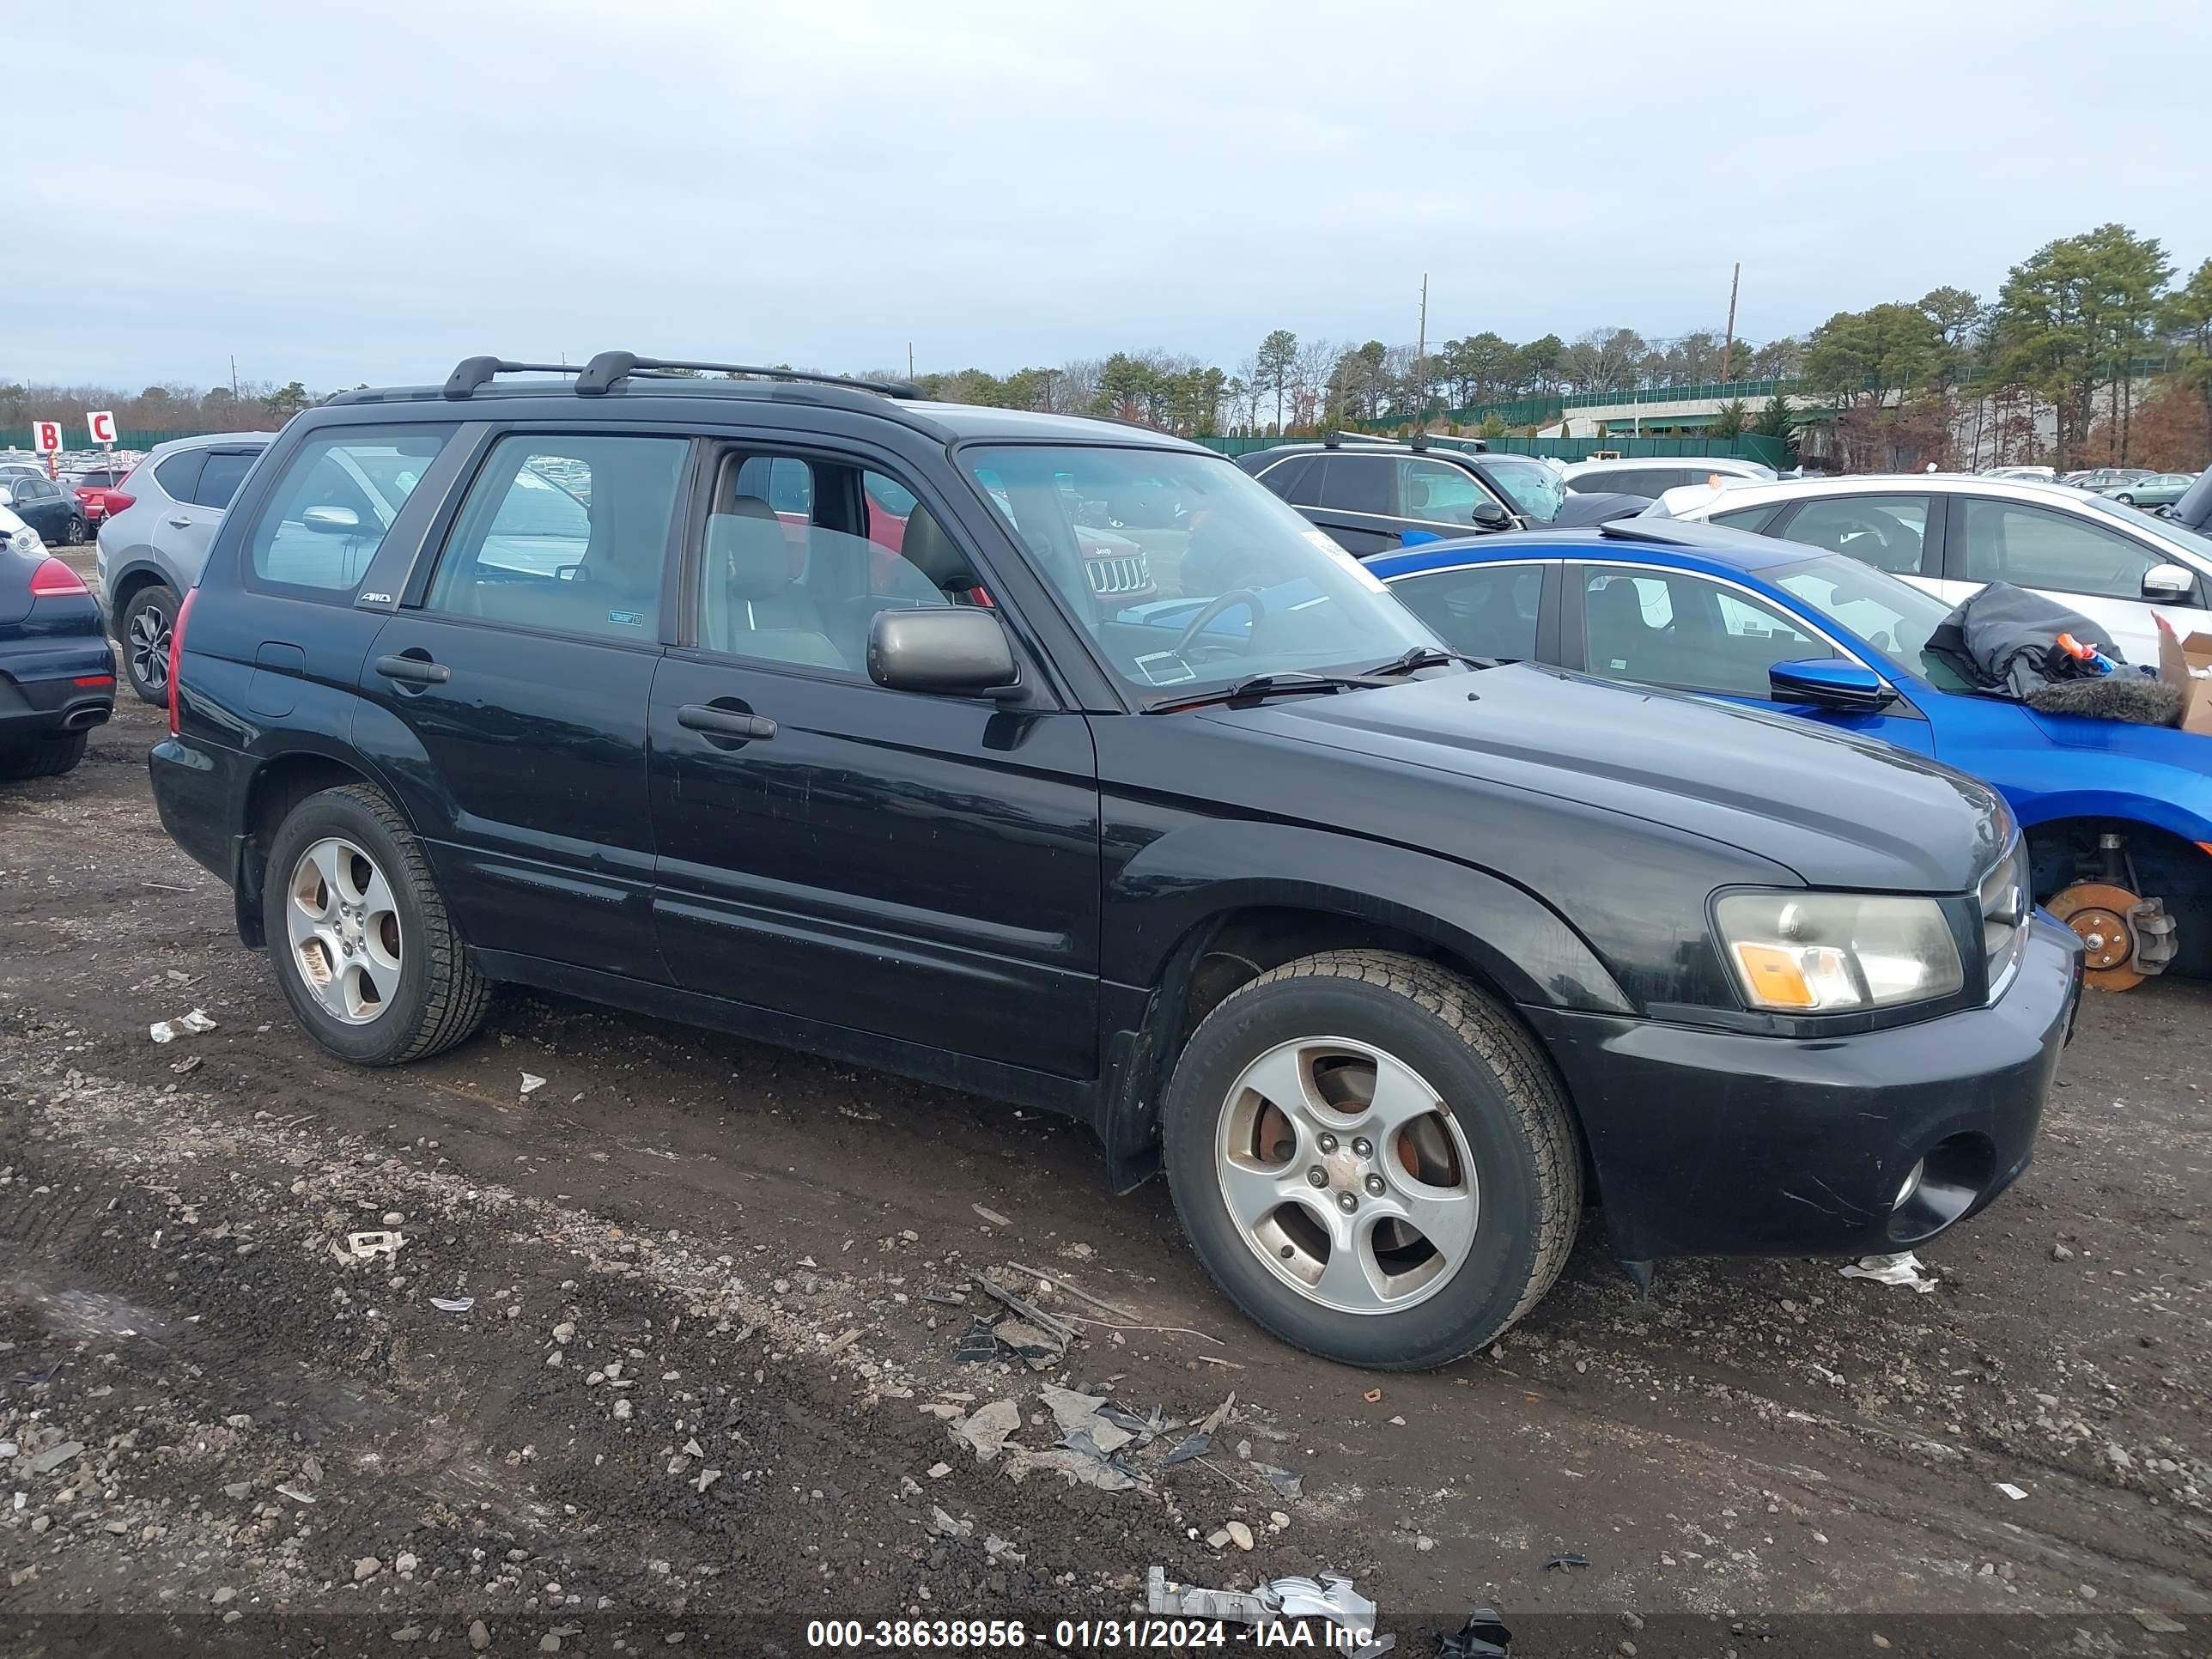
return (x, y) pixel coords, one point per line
(151, 553)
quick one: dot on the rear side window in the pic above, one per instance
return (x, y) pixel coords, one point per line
(565, 534)
(1485, 610)
(179, 475)
(1287, 478)
(336, 499)
(1356, 484)
(219, 479)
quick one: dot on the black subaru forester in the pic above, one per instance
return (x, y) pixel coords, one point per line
(802, 708)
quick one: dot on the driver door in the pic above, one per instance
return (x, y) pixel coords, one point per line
(1687, 633)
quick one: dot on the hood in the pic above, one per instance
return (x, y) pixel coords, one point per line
(1596, 508)
(1839, 811)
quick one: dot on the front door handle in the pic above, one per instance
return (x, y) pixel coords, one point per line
(414, 670)
(714, 722)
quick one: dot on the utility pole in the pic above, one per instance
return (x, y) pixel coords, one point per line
(1728, 351)
(909, 360)
(1421, 358)
(233, 377)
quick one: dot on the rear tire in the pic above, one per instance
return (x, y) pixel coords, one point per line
(423, 995)
(143, 630)
(1374, 1042)
(49, 757)
(76, 534)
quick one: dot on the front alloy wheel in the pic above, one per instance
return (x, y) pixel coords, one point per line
(343, 929)
(1347, 1175)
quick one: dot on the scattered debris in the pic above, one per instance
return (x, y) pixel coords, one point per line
(940, 1522)
(1373, 1396)
(1903, 1268)
(2012, 1492)
(367, 1246)
(54, 1456)
(296, 1494)
(453, 1303)
(946, 1298)
(2159, 1623)
(939, 1471)
(1087, 1300)
(1214, 1418)
(977, 1347)
(1330, 1598)
(1025, 1309)
(192, 1024)
(1196, 1445)
(1483, 1636)
(987, 1427)
(1040, 1348)
(188, 1064)
(532, 1083)
(1566, 1559)
(991, 1216)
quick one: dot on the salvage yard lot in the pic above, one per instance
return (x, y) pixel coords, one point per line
(692, 1256)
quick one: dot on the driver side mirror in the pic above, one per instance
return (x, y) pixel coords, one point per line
(945, 651)
(1831, 683)
(332, 520)
(2168, 584)
(1488, 515)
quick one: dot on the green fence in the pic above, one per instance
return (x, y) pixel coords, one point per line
(1748, 446)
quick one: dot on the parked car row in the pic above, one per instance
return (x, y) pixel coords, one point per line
(812, 717)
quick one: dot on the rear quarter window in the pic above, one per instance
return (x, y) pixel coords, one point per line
(329, 511)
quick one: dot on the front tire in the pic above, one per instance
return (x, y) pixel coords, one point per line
(358, 936)
(147, 620)
(1373, 1159)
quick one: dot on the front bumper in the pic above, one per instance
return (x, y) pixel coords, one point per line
(1707, 1142)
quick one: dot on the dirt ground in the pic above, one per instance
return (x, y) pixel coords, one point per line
(707, 1389)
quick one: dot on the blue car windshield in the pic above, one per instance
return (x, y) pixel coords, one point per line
(1895, 617)
(1143, 543)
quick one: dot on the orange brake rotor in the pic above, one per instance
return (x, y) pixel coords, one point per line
(2098, 912)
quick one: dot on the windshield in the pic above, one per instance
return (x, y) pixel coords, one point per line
(2161, 529)
(1188, 573)
(1895, 617)
(1536, 490)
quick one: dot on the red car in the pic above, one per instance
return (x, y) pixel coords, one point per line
(95, 485)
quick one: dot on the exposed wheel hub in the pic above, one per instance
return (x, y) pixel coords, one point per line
(2125, 938)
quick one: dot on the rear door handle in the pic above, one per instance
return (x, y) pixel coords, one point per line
(723, 722)
(181, 524)
(414, 670)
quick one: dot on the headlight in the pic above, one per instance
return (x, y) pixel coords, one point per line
(26, 540)
(1818, 953)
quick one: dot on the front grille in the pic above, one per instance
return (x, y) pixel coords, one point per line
(1112, 577)
(2003, 898)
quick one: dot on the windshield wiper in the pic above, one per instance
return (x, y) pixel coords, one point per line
(1255, 686)
(1428, 656)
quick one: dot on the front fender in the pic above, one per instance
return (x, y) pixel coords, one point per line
(1198, 872)
(2174, 798)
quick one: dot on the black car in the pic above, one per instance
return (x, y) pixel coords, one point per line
(56, 679)
(50, 508)
(1371, 496)
(1390, 960)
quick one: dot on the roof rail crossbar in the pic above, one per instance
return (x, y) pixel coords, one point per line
(600, 374)
(472, 372)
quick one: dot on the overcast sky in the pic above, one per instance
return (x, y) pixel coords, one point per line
(369, 193)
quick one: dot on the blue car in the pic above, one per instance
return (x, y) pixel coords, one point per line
(2118, 817)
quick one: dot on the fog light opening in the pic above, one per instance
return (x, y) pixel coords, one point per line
(1946, 1182)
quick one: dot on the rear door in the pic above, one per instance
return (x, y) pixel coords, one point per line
(1900, 531)
(921, 868)
(507, 696)
(1350, 496)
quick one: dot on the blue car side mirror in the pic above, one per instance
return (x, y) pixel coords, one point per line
(1831, 683)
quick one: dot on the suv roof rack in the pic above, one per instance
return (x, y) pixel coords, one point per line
(472, 372)
(600, 375)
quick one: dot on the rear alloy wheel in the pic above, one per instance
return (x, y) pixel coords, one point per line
(359, 939)
(147, 620)
(1372, 1159)
(74, 534)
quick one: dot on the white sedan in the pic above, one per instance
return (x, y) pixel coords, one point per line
(1952, 535)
